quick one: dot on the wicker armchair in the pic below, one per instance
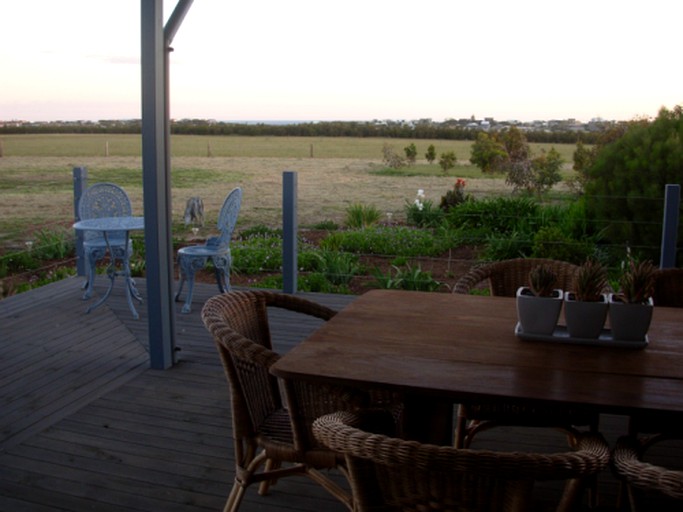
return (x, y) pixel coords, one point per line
(505, 277)
(668, 287)
(649, 486)
(391, 474)
(264, 434)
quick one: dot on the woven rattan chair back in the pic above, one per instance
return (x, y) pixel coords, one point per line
(505, 277)
(391, 474)
(263, 432)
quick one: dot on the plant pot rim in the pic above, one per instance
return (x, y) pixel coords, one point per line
(525, 291)
(615, 299)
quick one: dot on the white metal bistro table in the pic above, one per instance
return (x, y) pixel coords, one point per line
(107, 225)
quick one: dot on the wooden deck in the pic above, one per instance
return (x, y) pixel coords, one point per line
(86, 425)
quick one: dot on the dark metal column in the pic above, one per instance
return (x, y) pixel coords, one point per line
(156, 188)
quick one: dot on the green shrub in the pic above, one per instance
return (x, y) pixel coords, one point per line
(53, 244)
(257, 253)
(553, 243)
(338, 267)
(18, 262)
(316, 282)
(447, 161)
(504, 247)
(360, 216)
(423, 214)
(409, 278)
(498, 215)
(454, 197)
(328, 225)
(393, 241)
(260, 230)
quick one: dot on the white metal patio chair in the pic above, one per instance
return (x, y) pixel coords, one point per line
(103, 200)
(217, 249)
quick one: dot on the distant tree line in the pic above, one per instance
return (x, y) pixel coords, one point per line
(422, 129)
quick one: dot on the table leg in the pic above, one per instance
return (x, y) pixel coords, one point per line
(131, 290)
(111, 274)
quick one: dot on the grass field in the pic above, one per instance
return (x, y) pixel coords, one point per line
(333, 173)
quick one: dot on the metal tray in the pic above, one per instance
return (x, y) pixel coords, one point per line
(560, 335)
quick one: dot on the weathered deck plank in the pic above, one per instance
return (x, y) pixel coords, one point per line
(86, 425)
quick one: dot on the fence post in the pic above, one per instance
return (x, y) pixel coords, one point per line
(80, 176)
(672, 201)
(289, 231)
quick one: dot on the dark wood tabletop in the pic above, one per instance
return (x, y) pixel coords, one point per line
(464, 347)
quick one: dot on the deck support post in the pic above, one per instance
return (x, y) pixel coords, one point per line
(289, 232)
(80, 176)
(672, 202)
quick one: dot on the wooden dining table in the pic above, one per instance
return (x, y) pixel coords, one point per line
(439, 349)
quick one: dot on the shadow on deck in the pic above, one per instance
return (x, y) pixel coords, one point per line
(86, 425)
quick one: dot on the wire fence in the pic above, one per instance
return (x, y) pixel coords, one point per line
(482, 236)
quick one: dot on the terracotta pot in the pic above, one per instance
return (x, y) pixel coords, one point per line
(585, 319)
(538, 315)
(629, 322)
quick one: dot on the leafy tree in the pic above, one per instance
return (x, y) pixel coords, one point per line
(411, 153)
(627, 179)
(509, 152)
(447, 161)
(488, 153)
(430, 155)
(584, 157)
(538, 175)
(516, 145)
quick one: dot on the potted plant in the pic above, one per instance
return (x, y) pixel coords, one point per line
(585, 306)
(540, 303)
(630, 310)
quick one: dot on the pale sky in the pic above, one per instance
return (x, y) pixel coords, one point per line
(348, 60)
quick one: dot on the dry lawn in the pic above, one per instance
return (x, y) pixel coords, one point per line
(39, 189)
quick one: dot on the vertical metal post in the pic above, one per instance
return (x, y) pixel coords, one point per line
(672, 202)
(80, 176)
(156, 188)
(289, 232)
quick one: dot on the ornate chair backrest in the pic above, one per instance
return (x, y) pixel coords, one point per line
(104, 200)
(227, 218)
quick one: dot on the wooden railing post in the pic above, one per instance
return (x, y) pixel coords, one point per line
(80, 176)
(289, 232)
(672, 201)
